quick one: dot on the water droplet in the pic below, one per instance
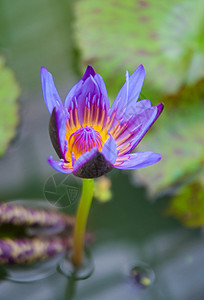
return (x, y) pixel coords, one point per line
(142, 275)
(66, 267)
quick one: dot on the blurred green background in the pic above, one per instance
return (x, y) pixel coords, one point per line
(156, 214)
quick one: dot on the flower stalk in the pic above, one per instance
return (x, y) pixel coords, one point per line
(81, 220)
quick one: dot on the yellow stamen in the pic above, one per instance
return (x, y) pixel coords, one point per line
(68, 126)
(71, 120)
(76, 118)
(111, 119)
(118, 132)
(102, 119)
(123, 140)
(96, 117)
(121, 160)
(85, 116)
(88, 117)
(91, 113)
(125, 149)
(115, 130)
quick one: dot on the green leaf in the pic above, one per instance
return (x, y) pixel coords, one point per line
(166, 37)
(178, 136)
(188, 205)
(9, 93)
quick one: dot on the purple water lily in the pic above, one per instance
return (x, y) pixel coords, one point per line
(89, 136)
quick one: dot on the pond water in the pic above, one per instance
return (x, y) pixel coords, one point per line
(138, 252)
(131, 234)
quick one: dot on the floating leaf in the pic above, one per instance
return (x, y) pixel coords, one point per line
(9, 93)
(178, 136)
(166, 37)
(188, 205)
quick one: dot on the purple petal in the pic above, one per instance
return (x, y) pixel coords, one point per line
(61, 119)
(73, 93)
(140, 124)
(150, 121)
(84, 158)
(135, 108)
(60, 166)
(89, 72)
(137, 160)
(91, 92)
(119, 105)
(136, 82)
(76, 90)
(50, 93)
(103, 91)
(129, 92)
(109, 150)
(160, 108)
(137, 123)
(78, 94)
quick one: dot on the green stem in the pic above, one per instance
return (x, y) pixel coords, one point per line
(81, 220)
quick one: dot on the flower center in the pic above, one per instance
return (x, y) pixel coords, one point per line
(82, 140)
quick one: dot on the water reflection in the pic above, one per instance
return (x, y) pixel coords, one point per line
(173, 256)
(67, 269)
(31, 273)
(176, 257)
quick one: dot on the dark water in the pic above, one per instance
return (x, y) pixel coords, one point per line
(131, 232)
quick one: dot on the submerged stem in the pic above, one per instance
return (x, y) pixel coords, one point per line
(81, 220)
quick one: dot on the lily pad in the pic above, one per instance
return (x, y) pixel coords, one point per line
(9, 93)
(178, 136)
(166, 37)
(188, 205)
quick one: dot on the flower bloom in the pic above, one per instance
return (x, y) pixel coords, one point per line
(89, 136)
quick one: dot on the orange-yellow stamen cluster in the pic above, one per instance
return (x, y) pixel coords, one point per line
(92, 131)
(83, 140)
(83, 136)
